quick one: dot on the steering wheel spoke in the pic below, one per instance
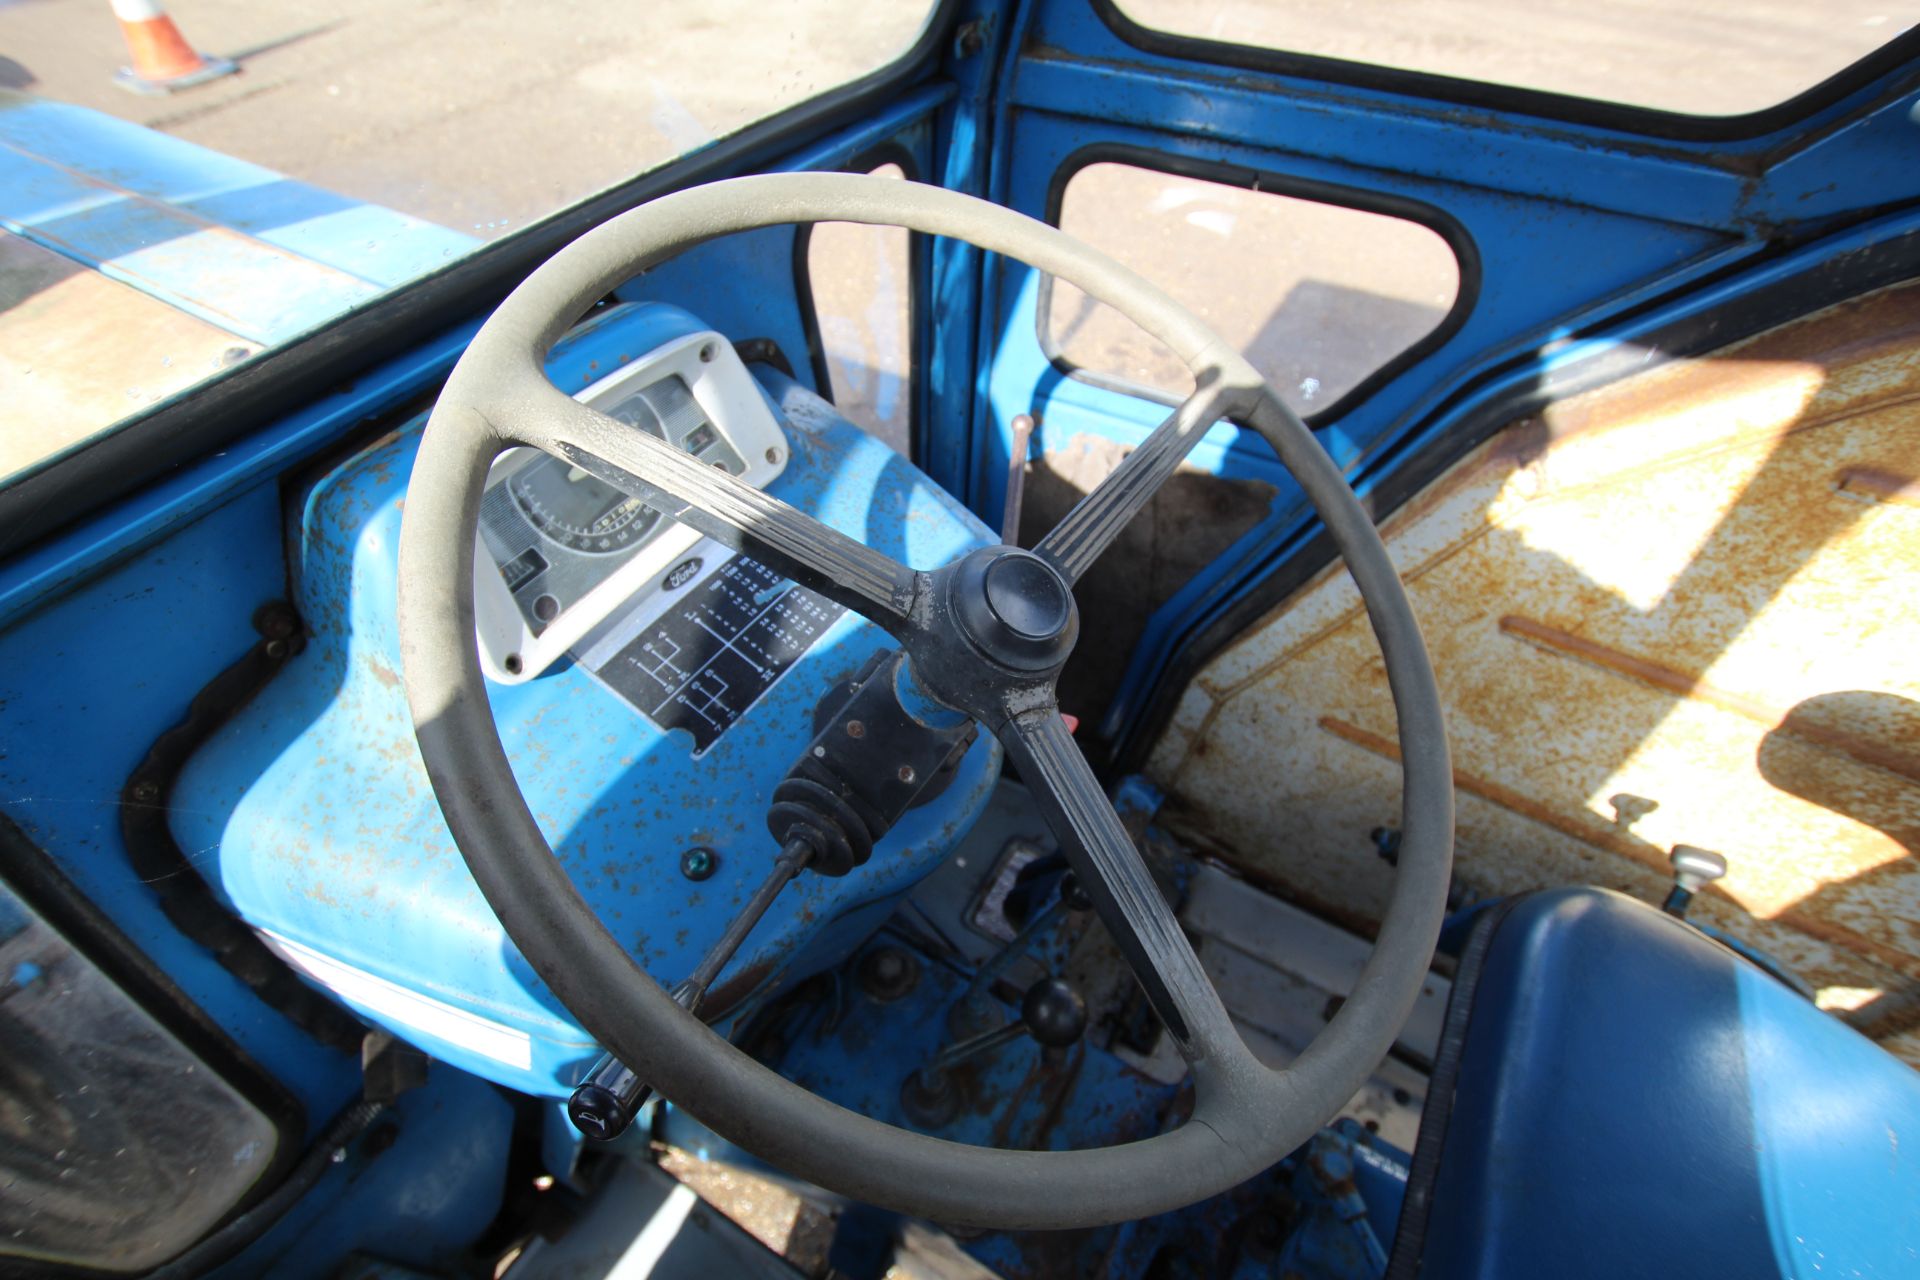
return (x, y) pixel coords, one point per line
(1114, 875)
(720, 505)
(1097, 519)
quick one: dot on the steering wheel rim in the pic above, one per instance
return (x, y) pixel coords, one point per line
(1246, 1116)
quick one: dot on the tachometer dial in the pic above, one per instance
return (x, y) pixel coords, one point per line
(578, 510)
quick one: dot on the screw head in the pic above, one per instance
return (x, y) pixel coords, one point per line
(699, 863)
(888, 973)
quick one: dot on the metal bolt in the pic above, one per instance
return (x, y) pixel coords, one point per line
(699, 862)
(969, 40)
(907, 775)
(888, 973)
(276, 620)
(855, 729)
(773, 455)
(706, 354)
(276, 648)
(1386, 843)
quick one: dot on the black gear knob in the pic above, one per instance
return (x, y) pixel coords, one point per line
(1054, 1013)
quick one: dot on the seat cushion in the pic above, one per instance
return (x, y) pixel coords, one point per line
(1634, 1099)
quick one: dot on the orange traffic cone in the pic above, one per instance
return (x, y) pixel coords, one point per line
(163, 61)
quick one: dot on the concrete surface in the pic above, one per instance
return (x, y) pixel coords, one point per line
(479, 116)
(484, 116)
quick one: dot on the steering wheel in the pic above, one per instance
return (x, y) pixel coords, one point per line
(984, 636)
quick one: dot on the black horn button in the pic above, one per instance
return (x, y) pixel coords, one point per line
(1015, 608)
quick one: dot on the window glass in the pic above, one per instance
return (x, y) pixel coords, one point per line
(1714, 58)
(1316, 295)
(119, 1146)
(149, 241)
(860, 277)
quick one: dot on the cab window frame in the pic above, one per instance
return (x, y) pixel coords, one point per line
(1452, 231)
(1650, 122)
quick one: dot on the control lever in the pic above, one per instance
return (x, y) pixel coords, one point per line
(973, 1012)
(1022, 425)
(869, 763)
(1052, 1012)
(1693, 870)
(605, 1103)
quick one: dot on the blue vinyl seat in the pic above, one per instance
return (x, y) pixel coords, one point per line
(1630, 1098)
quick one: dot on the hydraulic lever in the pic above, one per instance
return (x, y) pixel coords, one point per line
(1052, 1012)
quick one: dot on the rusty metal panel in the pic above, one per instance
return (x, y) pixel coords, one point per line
(1679, 609)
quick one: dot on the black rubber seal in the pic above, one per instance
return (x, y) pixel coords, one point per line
(1410, 1236)
(184, 895)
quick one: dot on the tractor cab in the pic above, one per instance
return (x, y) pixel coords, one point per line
(1080, 638)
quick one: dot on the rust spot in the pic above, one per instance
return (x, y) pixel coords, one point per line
(1707, 542)
(1647, 671)
(1881, 486)
(1610, 839)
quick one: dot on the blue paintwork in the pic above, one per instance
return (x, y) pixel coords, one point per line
(242, 247)
(416, 1202)
(130, 648)
(1336, 1233)
(949, 346)
(1591, 239)
(318, 824)
(1687, 1116)
(181, 565)
(1588, 236)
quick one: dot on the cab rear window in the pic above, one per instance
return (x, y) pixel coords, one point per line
(1319, 296)
(1715, 58)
